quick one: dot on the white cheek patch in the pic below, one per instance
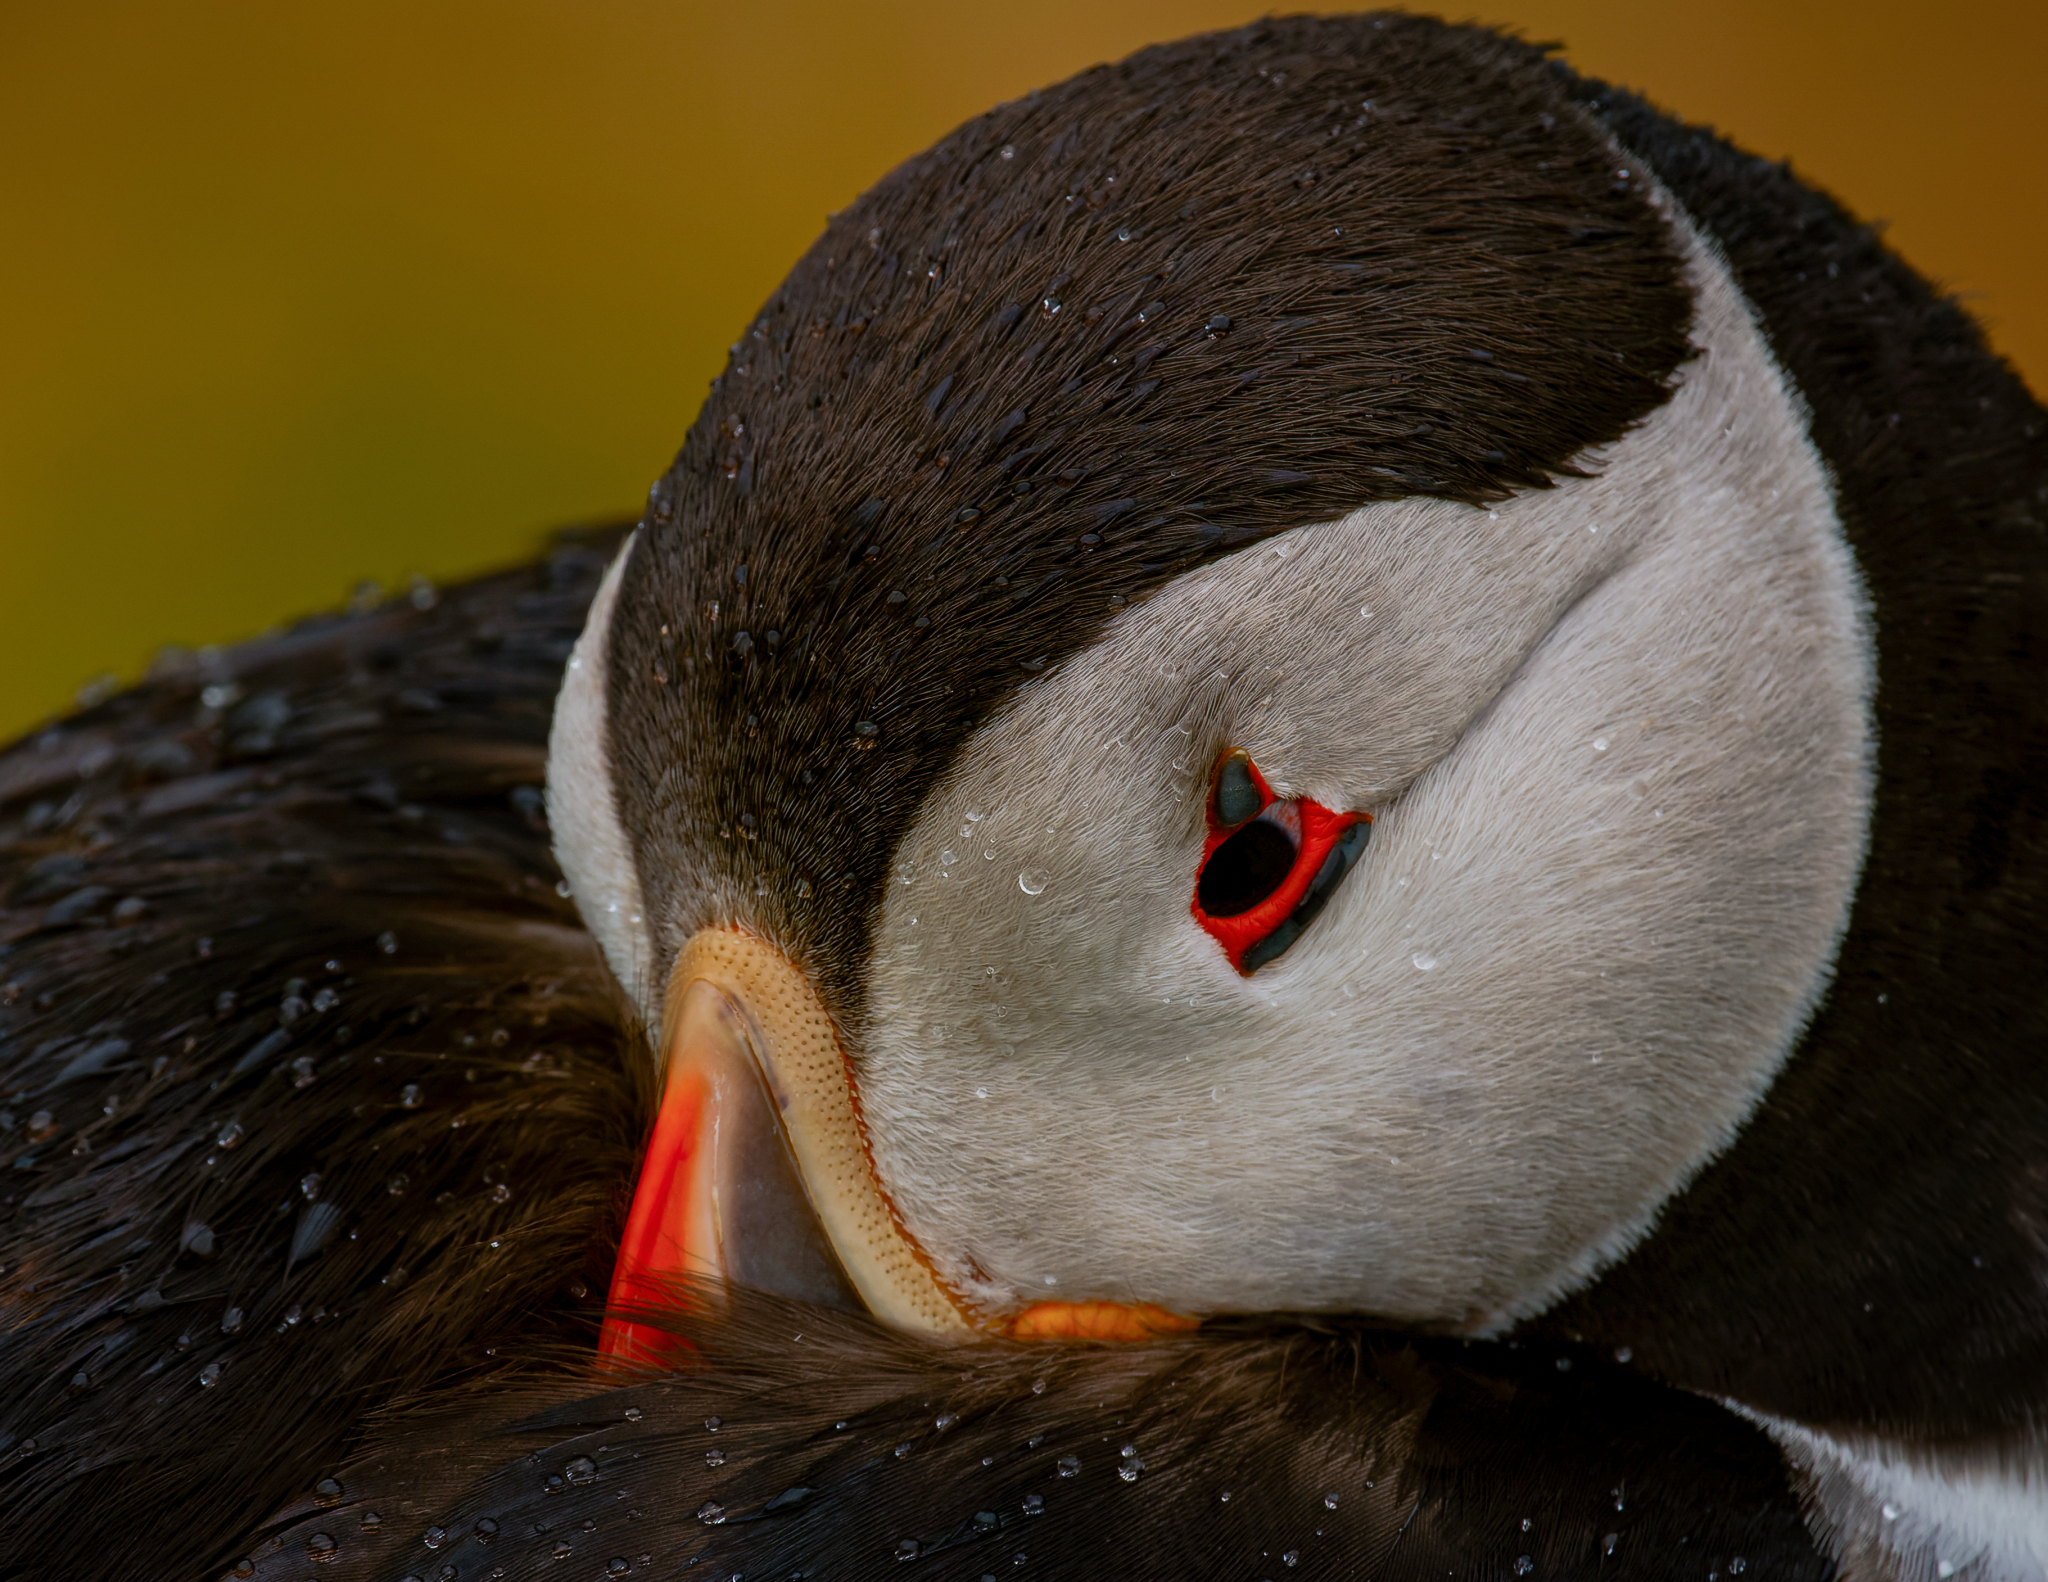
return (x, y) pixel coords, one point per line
(595, 853)
(1616, 739)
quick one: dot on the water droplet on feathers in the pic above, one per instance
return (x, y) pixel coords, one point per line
(580, 1470)
(209, 1375)
(711, 1514)
(229, 1135)
(1032, 881)
(1034, 1505)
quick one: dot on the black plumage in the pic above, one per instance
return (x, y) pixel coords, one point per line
(311, 1081)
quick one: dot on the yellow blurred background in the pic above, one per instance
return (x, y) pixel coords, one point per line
(296, 295)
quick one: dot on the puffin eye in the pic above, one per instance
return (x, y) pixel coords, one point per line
(1269, 865)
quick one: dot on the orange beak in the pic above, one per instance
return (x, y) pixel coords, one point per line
(758, 1173)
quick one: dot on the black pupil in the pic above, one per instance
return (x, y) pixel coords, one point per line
(1245, 869)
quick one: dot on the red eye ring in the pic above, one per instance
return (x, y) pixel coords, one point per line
(1325, 843)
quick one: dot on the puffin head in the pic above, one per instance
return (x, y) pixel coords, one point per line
(1246, 696)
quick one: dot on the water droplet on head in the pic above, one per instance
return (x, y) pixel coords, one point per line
(1891, 1511)
(1032, 881)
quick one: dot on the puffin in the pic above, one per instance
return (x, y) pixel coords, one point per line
(1307, 840)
